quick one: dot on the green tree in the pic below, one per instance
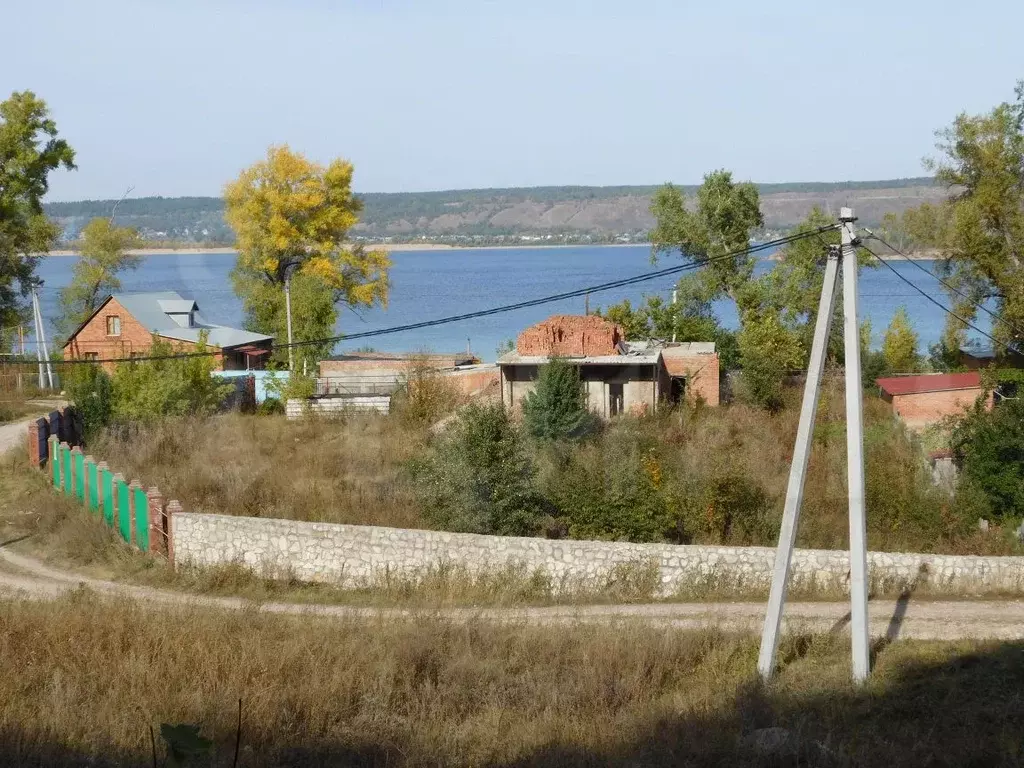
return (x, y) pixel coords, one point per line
(980, 230)
(557, 407)
(150, 390)
(721, 222)
(104, 254)
(768, 351)
(29, 151)
(989, 448)
(479, 478)
(900, 344)
(292, 216)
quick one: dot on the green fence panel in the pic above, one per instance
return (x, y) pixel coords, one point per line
(94, 491)
(107, 483)
(66, 470)
(55, 462)
(124, 511)
(141, 519)
(80, 477)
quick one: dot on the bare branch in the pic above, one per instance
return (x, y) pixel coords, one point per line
(114, 209)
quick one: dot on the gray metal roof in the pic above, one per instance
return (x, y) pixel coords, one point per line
(149, 310)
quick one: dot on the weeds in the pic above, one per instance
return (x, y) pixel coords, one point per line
(87, 680)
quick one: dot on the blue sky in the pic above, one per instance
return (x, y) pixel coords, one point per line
(175, 97)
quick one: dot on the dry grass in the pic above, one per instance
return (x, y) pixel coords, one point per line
(85, 680)
(338, 471)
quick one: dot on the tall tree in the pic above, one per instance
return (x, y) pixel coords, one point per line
(293, 215)
(980, 232)
(29, 151)
(105, 253)
(900, 344)
(721, 221)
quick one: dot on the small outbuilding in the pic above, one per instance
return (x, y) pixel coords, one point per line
(619, 376)
(928, 398)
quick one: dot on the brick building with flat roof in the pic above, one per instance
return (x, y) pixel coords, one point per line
(619, 376)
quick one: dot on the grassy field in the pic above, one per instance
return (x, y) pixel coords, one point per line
(84, 681)
(356, 471)
(265, 466)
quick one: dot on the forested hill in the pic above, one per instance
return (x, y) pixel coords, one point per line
(562, 214)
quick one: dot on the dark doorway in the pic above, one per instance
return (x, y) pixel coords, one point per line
(615, 397)
(677, 390)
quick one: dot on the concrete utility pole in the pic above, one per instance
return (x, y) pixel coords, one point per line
(42, 353)
(288, 314)
(801, 455)
(855, 453)
(39, 348)
(798, 469)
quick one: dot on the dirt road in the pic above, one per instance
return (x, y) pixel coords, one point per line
(15, 434)
(27, 578)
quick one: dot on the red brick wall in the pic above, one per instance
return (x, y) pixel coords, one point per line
(134, 338)
(571, 336)
(931, 407)
(701, 373)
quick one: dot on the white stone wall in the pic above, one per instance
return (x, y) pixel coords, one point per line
(351, 554)
(337, 406)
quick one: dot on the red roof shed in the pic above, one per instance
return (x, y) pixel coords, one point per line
(929, 382)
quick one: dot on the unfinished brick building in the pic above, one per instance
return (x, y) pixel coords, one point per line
(618, 376)
(571, 336)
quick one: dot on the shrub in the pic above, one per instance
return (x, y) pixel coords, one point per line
(727, 507)
(478, 477)
(150, 390)
(989, 448)
(425, 396)
(613, 488)
(557, 407)
(271, 406)
(90, 389)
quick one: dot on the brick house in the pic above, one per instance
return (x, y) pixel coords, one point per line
(619, 376)
(125, 323)
(929, 398)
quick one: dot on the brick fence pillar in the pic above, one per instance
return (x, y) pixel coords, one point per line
(37, 436)
(173, 508)
(157, 541)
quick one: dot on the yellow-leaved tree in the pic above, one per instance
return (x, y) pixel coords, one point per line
(291, 217)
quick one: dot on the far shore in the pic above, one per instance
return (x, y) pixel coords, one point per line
(929, 255)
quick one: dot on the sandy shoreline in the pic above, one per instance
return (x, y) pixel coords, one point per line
(399, 247)
(379, 247)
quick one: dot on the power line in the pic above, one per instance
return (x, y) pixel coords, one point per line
(980, 305)
(935, 301)
(634, 280)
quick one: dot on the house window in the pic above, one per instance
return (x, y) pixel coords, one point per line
(91, 356)
(113, 325)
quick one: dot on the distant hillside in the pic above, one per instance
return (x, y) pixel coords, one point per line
(565, 214)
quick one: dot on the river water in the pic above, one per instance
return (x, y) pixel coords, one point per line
(439, 283)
